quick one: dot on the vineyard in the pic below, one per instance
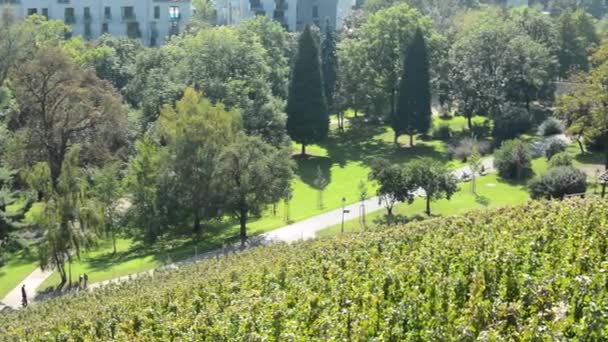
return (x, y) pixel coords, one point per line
(533, 272)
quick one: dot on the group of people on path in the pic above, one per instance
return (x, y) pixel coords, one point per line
(83, 280)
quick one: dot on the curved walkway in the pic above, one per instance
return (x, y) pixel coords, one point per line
(302, 230)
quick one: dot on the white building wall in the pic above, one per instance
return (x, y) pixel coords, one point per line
(143, 10)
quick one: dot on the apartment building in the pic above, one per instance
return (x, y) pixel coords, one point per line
(293, 14)
(152, 21)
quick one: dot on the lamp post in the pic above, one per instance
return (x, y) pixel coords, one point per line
(344, 211)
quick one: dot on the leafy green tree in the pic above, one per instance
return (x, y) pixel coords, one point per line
(61, 104)
(394, 184)
(434, 178)
(576, 35)
(229, 69)
(475, 164)
(108, 192)
(251, 175)
(513, 161)
(72, 218)
(142, 182)
(382, 42)
(413, 114)
(8, 196)
(307, 116)
(195, 132)
(277, 43)
(329, 64)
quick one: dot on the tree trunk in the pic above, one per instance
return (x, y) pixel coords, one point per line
(396, 138)
(356, 112)
(197, 222)
(428, 205)
(303, 149)
(70, 269)
(393, 104)
(243, 221)
(603, 190)
(113, 241)
(411, 140)
(580, 144)
(606, 153)
(470, 122)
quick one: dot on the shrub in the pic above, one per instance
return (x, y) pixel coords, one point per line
(463, 148)
(512, 160)
(559, 182)
(551, 126)
(511, 122)
(481, 130)
(560, 159)
(554, 147)
(443, 132)
(595, 140)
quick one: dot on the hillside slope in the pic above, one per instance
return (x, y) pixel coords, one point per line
(517, 273)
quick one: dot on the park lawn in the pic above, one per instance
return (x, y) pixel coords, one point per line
(492, 192)
(456, 123)
(18, 266)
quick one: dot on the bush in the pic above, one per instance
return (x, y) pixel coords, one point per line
(559, 182)
(595, 141)
(551, 126)
(560, 159)
(512, 122)
(481, 130)
(463, 148)
(443, 132)
(513, 161)
(554, 147)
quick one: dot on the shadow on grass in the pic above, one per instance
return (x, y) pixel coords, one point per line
(590, 158)
(482, 200)
(360, 143)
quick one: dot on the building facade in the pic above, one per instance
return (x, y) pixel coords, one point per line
(293, 14)
(152, 21)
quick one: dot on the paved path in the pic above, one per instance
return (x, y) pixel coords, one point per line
(32, 281)
(302, 230)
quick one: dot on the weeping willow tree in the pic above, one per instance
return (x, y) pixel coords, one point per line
(72, 218)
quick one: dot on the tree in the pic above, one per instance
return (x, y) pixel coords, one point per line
(234, 71)
(195, 132)
(307, 116)
(108, 191)
(8, 196)
(71, 219)
(62, 104)
(142, 182)
(434, 178)
(251, 175)
(277, 43)
(413, 114)
(559, 182)
(329, 63)
(576, 34)
(475, 164)
(363, 196)
(512, 160)
(320, 183)
(382, 42)
(394, 185)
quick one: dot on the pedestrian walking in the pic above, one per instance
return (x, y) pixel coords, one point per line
(23, 296)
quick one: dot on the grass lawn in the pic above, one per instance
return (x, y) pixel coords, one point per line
(18, 266)
(492, 192)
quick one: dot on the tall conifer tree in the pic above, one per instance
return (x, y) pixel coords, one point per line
(413, 114)
(307, 117)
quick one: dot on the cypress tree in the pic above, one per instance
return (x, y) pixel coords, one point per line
(413, 114)
(329, 60)
(307, 117)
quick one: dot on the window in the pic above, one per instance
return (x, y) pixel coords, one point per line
(104, 28)
(128, 13)
(87, 31)
(31, 11)
(45, 12)
(87, 13)
(315, 11)
(133, 30)
(174, 13)
(156, 12)
(107, 12)
(69, 16)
